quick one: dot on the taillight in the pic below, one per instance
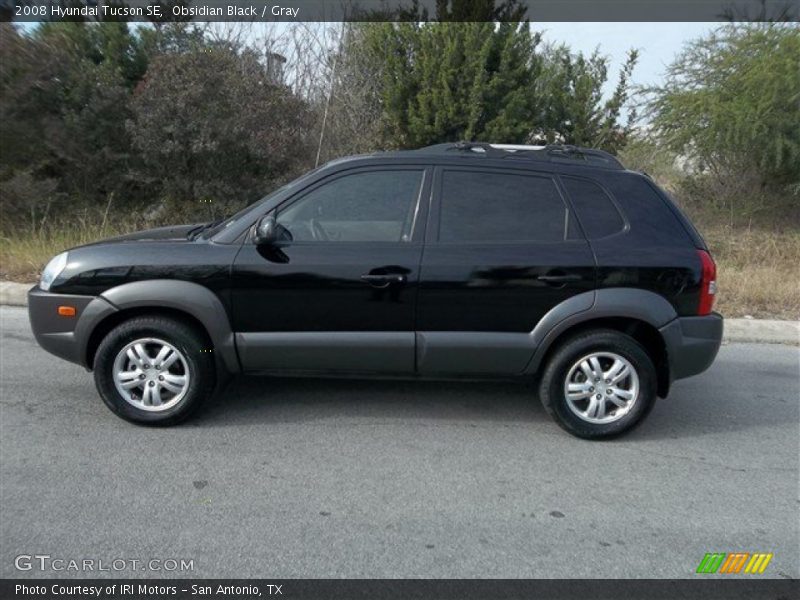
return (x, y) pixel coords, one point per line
(708, 285)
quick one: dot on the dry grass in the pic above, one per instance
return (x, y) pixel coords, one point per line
(758, 272)
(24, 253)
(758, 269)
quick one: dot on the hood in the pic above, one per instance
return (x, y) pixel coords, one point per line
(170, 233)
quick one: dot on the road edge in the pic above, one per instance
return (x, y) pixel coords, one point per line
(763, 331)
(14, 294)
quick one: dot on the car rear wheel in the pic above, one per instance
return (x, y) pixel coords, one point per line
(599, 384)
(154, 370)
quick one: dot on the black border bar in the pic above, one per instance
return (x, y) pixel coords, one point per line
(397, 10)
(410, 589)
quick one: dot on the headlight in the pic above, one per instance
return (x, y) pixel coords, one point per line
(53, 270)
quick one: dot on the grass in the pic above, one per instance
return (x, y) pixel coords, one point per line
(757, 268)
(24, 253)
(757, 272)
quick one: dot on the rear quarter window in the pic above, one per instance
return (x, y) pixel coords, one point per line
(650, 218)
(596, 211)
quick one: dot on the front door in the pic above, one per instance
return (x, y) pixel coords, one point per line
(501, 251)
(340, 295)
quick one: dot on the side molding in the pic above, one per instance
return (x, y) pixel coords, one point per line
(191, 298)
(610, 302)
(341, 351)
(472, 352)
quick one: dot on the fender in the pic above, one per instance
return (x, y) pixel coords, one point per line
(191, 298)
(95, 312)
(609, 302)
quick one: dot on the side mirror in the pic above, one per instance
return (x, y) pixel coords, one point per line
(266, 231)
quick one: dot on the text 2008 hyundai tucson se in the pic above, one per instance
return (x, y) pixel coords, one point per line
(458, 260)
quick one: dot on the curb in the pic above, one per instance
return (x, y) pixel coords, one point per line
(14, 294)
(761, 331)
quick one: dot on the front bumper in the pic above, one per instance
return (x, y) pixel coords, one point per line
(66, 337)
(692, 344)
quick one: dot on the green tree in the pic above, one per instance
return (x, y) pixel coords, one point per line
(731, 102)
(171, 38)
(479, 10)
(447, 81)
(212, 128)
(575, 111)
(64, 94)
(452, 81)
(445, 10)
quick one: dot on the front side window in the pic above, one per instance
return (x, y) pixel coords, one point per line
(500, 207)
(373, 206)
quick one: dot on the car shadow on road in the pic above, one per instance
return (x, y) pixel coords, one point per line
(695, 407)
(286, 399)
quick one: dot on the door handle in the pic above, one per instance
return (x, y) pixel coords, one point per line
(383, 281)
(559, 279)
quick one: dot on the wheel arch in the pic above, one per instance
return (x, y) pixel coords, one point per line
(637, 313)
(182, 300)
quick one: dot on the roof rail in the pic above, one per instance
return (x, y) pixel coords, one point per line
(551, 152)
(584, 153)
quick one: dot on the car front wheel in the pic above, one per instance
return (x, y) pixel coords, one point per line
(154, 370)
(599, 384)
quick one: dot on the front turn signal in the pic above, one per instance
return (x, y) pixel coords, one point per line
(66, 311)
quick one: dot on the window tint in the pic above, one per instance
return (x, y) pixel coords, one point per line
(596, 211)
(376, 206)
(500, 207)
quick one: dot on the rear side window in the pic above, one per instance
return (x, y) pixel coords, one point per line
(500, 207)
(597, 213)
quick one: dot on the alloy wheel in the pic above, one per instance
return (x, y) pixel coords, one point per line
(601, 387)
(151, 374)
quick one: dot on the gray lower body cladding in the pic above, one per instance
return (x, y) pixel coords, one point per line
(692, 344)
(66, 337)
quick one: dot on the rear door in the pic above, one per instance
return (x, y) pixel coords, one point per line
(502, 249)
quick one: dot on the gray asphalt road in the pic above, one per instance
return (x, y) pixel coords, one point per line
(313, 478)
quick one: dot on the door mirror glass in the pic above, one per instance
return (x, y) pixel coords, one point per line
(267, 231)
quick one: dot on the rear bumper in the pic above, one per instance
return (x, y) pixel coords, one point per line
(692, 344)
(65, 337)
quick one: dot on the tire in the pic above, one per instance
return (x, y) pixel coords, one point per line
(178, 384)
(621, 405)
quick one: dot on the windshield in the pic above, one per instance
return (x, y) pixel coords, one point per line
(224, 224)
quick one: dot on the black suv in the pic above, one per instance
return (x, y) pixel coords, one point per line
(468, 260)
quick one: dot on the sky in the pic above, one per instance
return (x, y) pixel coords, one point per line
(658, 43)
